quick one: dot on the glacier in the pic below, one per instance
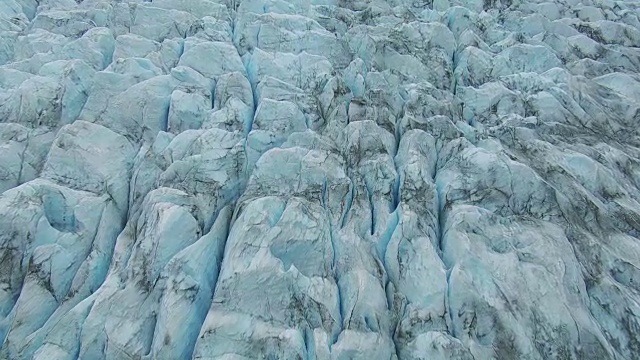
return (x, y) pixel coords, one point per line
(319, 179)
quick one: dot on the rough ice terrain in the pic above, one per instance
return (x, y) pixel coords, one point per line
(319, 179)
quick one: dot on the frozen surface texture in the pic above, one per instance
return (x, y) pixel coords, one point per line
(319, 179)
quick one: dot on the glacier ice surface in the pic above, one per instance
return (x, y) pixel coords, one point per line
(319, 179)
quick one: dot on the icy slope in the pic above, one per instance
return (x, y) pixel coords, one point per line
(269, 179)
